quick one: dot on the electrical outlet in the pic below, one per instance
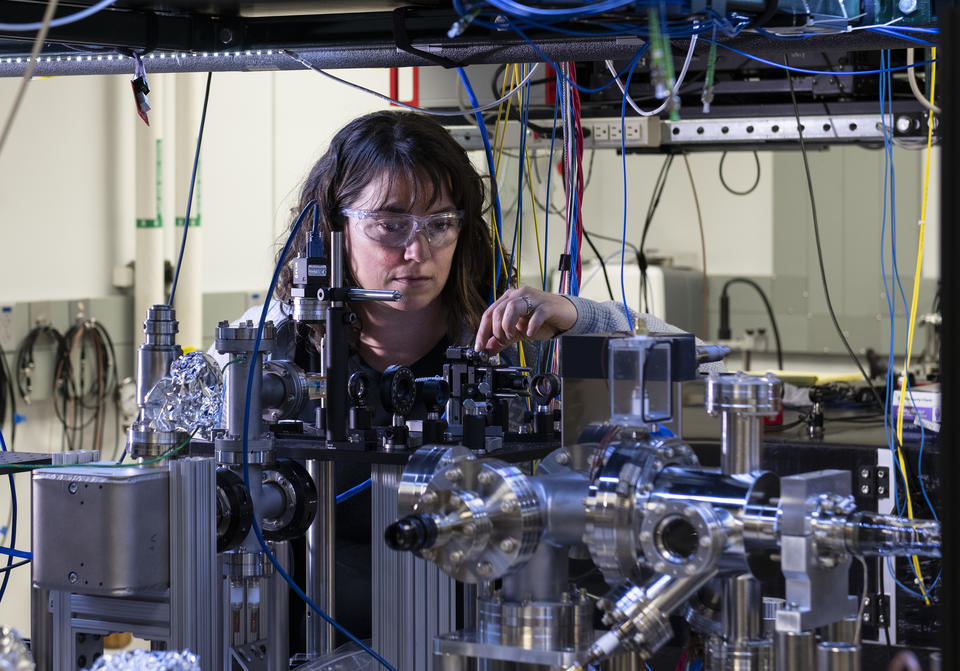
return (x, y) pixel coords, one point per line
(632, 131)
(600, 132)
(614, 131)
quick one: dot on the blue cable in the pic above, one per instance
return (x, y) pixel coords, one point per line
(246, 457)
(818, 72)
(193, 181)
(901, 36)
(886, 289)
(886, 97)
(62, 21)
(893, 574)
(623, 159)
(560, 14)
(353, 491)
(13, 552)
(482, 127)
(13, 522)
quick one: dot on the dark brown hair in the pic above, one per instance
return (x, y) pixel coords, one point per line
(415, 148)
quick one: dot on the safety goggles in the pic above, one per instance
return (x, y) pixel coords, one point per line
(398, 229)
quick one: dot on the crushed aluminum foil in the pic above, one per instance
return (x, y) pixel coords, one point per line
(189, 399)
(146, 660)
(14, 655)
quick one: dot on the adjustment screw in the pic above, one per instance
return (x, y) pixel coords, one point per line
(72, 488)
(73, 578)
(907, 6)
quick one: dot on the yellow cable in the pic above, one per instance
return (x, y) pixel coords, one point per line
(495, 236)
(536, 223)
(913, 314)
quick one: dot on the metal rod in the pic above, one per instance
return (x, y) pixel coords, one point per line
(279, 625)
(740, 443)
(320, 560)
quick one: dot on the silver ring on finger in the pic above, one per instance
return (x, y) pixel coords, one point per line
(530, 306)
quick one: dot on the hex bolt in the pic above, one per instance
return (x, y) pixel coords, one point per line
(508, 545)
(469, 529)
(455, 500)
(484, 568)
(456, 557)
(485, 478)
(454, 474)
(563, 457)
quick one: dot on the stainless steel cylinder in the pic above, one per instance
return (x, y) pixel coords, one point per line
(158, 350)
(742, 607)
(279, 614)
(740, 443)
(844, 631)
(794, 651)
(537, 625)
(742, 401)
(838, 657)
(320, 560)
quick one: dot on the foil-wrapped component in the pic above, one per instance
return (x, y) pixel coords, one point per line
(14, 655)
(146, 660)
(189, 399)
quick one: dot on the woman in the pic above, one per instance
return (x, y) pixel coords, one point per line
(410, 205)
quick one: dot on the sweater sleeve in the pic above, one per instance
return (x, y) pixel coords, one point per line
(610, 316)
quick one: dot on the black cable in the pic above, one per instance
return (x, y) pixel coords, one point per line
(13, 566)
(603, 265)
(651, 210)
(193, 181)
(636, 250)
(25, 360)
(726, 186)
(70, 382)
(766, 304)
(816, 231)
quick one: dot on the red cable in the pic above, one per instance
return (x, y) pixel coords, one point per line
(578, 222)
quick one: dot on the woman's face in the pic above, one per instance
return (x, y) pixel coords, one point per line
(418, 270)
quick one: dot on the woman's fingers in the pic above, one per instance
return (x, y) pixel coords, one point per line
(523, 313)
